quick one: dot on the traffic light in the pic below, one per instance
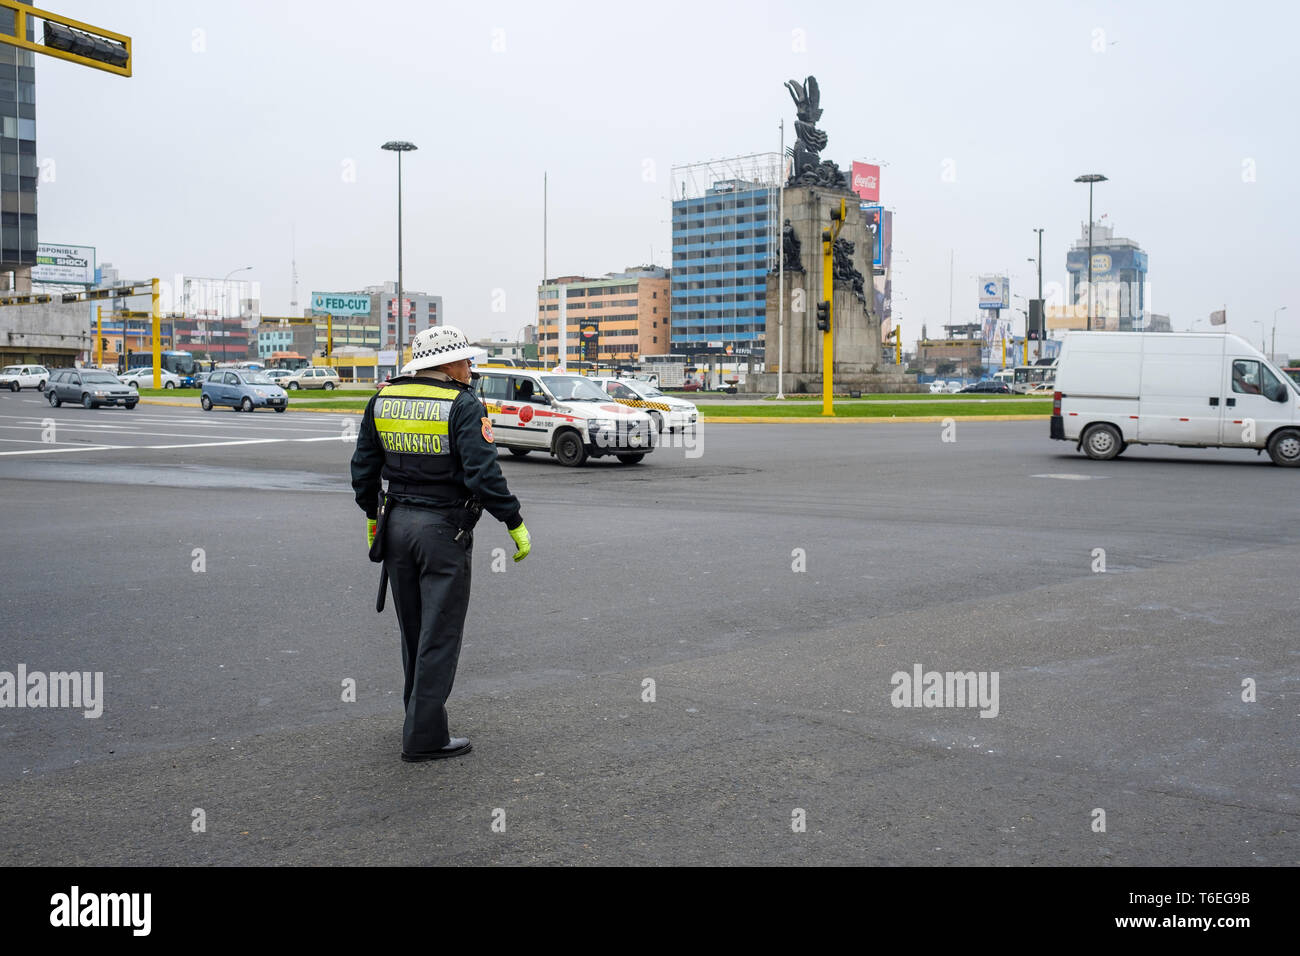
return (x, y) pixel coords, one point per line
(824, 315)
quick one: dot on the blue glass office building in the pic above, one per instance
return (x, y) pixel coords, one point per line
(724, 244)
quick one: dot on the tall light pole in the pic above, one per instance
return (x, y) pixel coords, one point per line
(399, 147)
(1090, 178)
(1272, 354)
(223, 307)
(1042, 309)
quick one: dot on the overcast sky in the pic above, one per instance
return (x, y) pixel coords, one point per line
(246, 118)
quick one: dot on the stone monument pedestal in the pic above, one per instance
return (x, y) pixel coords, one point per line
(857, 364)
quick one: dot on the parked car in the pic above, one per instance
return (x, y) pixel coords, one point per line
(16, 377)
(91, 387)
(242, 389)
(1190, 389)
(318, 376)
(200, 378)
(988, 387)
(938, 387)
(953, 388)
(137, 376)
(1042, 388)
(277, 374)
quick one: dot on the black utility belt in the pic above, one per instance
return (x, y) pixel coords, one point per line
(429, 504)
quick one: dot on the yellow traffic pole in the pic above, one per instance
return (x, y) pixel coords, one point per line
(828, 350)
(99, 334)
(157, 336)
(898, 344)
(828, 296)
(1004, 348)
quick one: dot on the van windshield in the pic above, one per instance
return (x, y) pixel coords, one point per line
(574, 388)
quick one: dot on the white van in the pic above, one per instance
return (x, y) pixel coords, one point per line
(569, 416)
(1193, 390)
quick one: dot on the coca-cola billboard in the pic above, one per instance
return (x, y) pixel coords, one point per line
(866, 181)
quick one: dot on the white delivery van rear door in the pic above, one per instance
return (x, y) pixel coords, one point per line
(1182, 385)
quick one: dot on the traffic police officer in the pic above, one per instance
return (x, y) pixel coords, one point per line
(429, 436)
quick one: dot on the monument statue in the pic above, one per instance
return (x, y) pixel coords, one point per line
(844, 270)
(790, 243)
(809, 168)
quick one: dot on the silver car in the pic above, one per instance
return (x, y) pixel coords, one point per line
(91, 387)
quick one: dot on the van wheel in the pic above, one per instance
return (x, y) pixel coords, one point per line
(329, 386)
(1284, 448)
(519, 452)
(569, 449)
(1102, 442)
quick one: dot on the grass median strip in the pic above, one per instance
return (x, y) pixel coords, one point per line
(868, 409)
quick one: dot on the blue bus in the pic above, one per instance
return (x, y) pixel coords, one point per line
(179, 363)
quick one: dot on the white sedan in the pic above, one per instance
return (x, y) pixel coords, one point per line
(938, 387)
(143, 378)
(666, 411)
(15, 377)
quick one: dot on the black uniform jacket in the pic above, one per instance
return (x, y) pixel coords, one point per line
(430, 439)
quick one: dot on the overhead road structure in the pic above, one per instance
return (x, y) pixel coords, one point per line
(66, 38)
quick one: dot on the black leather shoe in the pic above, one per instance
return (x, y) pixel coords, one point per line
(456, 747)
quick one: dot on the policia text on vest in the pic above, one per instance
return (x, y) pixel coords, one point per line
(430, 438)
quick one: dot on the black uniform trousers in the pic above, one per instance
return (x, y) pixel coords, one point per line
(429, 572)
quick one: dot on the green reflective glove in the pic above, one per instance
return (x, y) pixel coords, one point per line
(371, 524)
(523, 541)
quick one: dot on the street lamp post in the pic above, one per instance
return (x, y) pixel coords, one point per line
(1042, 311)
(1090, 178)
(1272, 354)
(399, 146)
(223, 307)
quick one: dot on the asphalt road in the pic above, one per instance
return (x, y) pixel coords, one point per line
(1118, 691)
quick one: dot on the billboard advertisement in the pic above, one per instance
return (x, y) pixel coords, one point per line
(337, 303)
(866, 181)
(880, 222)
(995, 292)
(60, 263)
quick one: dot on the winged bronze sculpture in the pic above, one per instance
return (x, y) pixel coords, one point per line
(809, 169)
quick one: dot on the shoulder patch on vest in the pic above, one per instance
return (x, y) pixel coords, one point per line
(487, 430)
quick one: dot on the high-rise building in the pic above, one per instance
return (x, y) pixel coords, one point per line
(17, 161)
(725, 234)
(423, 311)
(1119, 274)
(617, 318)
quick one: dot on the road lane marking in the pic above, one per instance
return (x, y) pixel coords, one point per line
(203, 444)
